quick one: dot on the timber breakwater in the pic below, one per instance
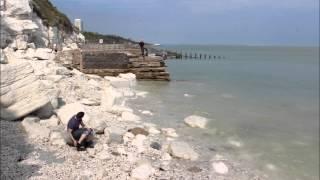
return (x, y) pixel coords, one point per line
(113, 59)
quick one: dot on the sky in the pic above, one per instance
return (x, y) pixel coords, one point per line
(228, 22)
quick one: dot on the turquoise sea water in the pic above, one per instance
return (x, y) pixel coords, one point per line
(263, 99)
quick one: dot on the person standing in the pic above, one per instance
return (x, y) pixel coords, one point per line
(141, 44)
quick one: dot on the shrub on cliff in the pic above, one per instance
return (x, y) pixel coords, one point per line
(51, 16)
(107, 39)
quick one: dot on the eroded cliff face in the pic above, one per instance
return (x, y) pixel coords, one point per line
(28, 72)
(22, 28)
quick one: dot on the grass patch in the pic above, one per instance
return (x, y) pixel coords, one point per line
(51, 16)
(107, 39)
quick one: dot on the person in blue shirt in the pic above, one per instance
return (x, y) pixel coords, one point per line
(78, 135)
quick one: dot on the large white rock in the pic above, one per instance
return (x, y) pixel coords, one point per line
(18, 7)
(53, 96)
(12, 26)
(57, 138)
(182, 150)
(118, 110)
(153, 130)
(127, 137)
(138, 142)
(3, 57)
(33, 128)
(90, 102)
(98, 122)
(169, 132)
(51, 122)
(43, 54)
(118, 82)
(196, 121)
(62, 71)
(115, 134)
(45, 112)
(73, 46)
(103, 155)
(66, 112)
(54, 78)
(129, 116)
(21, 42)
(166, 157)
(129, 76)
(21, 91)
(142, 172)
(220, 167)
(146, 112)
(110, 97)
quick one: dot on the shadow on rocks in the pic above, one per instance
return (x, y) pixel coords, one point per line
(14, 149)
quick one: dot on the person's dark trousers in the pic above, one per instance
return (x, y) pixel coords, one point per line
(78, 133)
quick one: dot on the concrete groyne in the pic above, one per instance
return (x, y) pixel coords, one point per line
(113, 59)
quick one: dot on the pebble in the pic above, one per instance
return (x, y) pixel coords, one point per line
(220, 167)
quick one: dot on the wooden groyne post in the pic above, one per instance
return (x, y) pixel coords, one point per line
(197, 56)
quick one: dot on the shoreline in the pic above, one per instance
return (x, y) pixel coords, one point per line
(118, 154)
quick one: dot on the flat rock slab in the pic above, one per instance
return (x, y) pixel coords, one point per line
(21, 91)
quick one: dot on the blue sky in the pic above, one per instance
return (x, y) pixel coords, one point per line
(248, 22)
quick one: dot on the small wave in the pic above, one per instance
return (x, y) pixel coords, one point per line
(187, 95)
(227, 96)
(235, 143)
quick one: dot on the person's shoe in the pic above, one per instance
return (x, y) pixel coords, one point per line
(80, 148)
(88, 145)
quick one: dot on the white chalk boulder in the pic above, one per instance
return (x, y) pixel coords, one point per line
(110, 97)
(51, 122)
(129, 116)
(45, 112)
(138, 142)
(169, 132)
(196, 121)
(182, 150)
(21, 91)
(57, 138)
(142, 172)
(43, 54)
(66, 112)
(153, 130)
(220, 167)
(90, 102)
(34, 129)
(128, 76)
(3, 57)
(119, 82)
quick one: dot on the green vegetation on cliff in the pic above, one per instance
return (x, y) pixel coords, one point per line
(51, 16)
(107, 39)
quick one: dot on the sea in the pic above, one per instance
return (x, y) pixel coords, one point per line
(262, 103)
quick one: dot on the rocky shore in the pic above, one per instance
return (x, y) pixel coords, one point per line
(38, 97)
(125, 146)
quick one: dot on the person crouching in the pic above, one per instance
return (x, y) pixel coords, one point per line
(78, 135)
